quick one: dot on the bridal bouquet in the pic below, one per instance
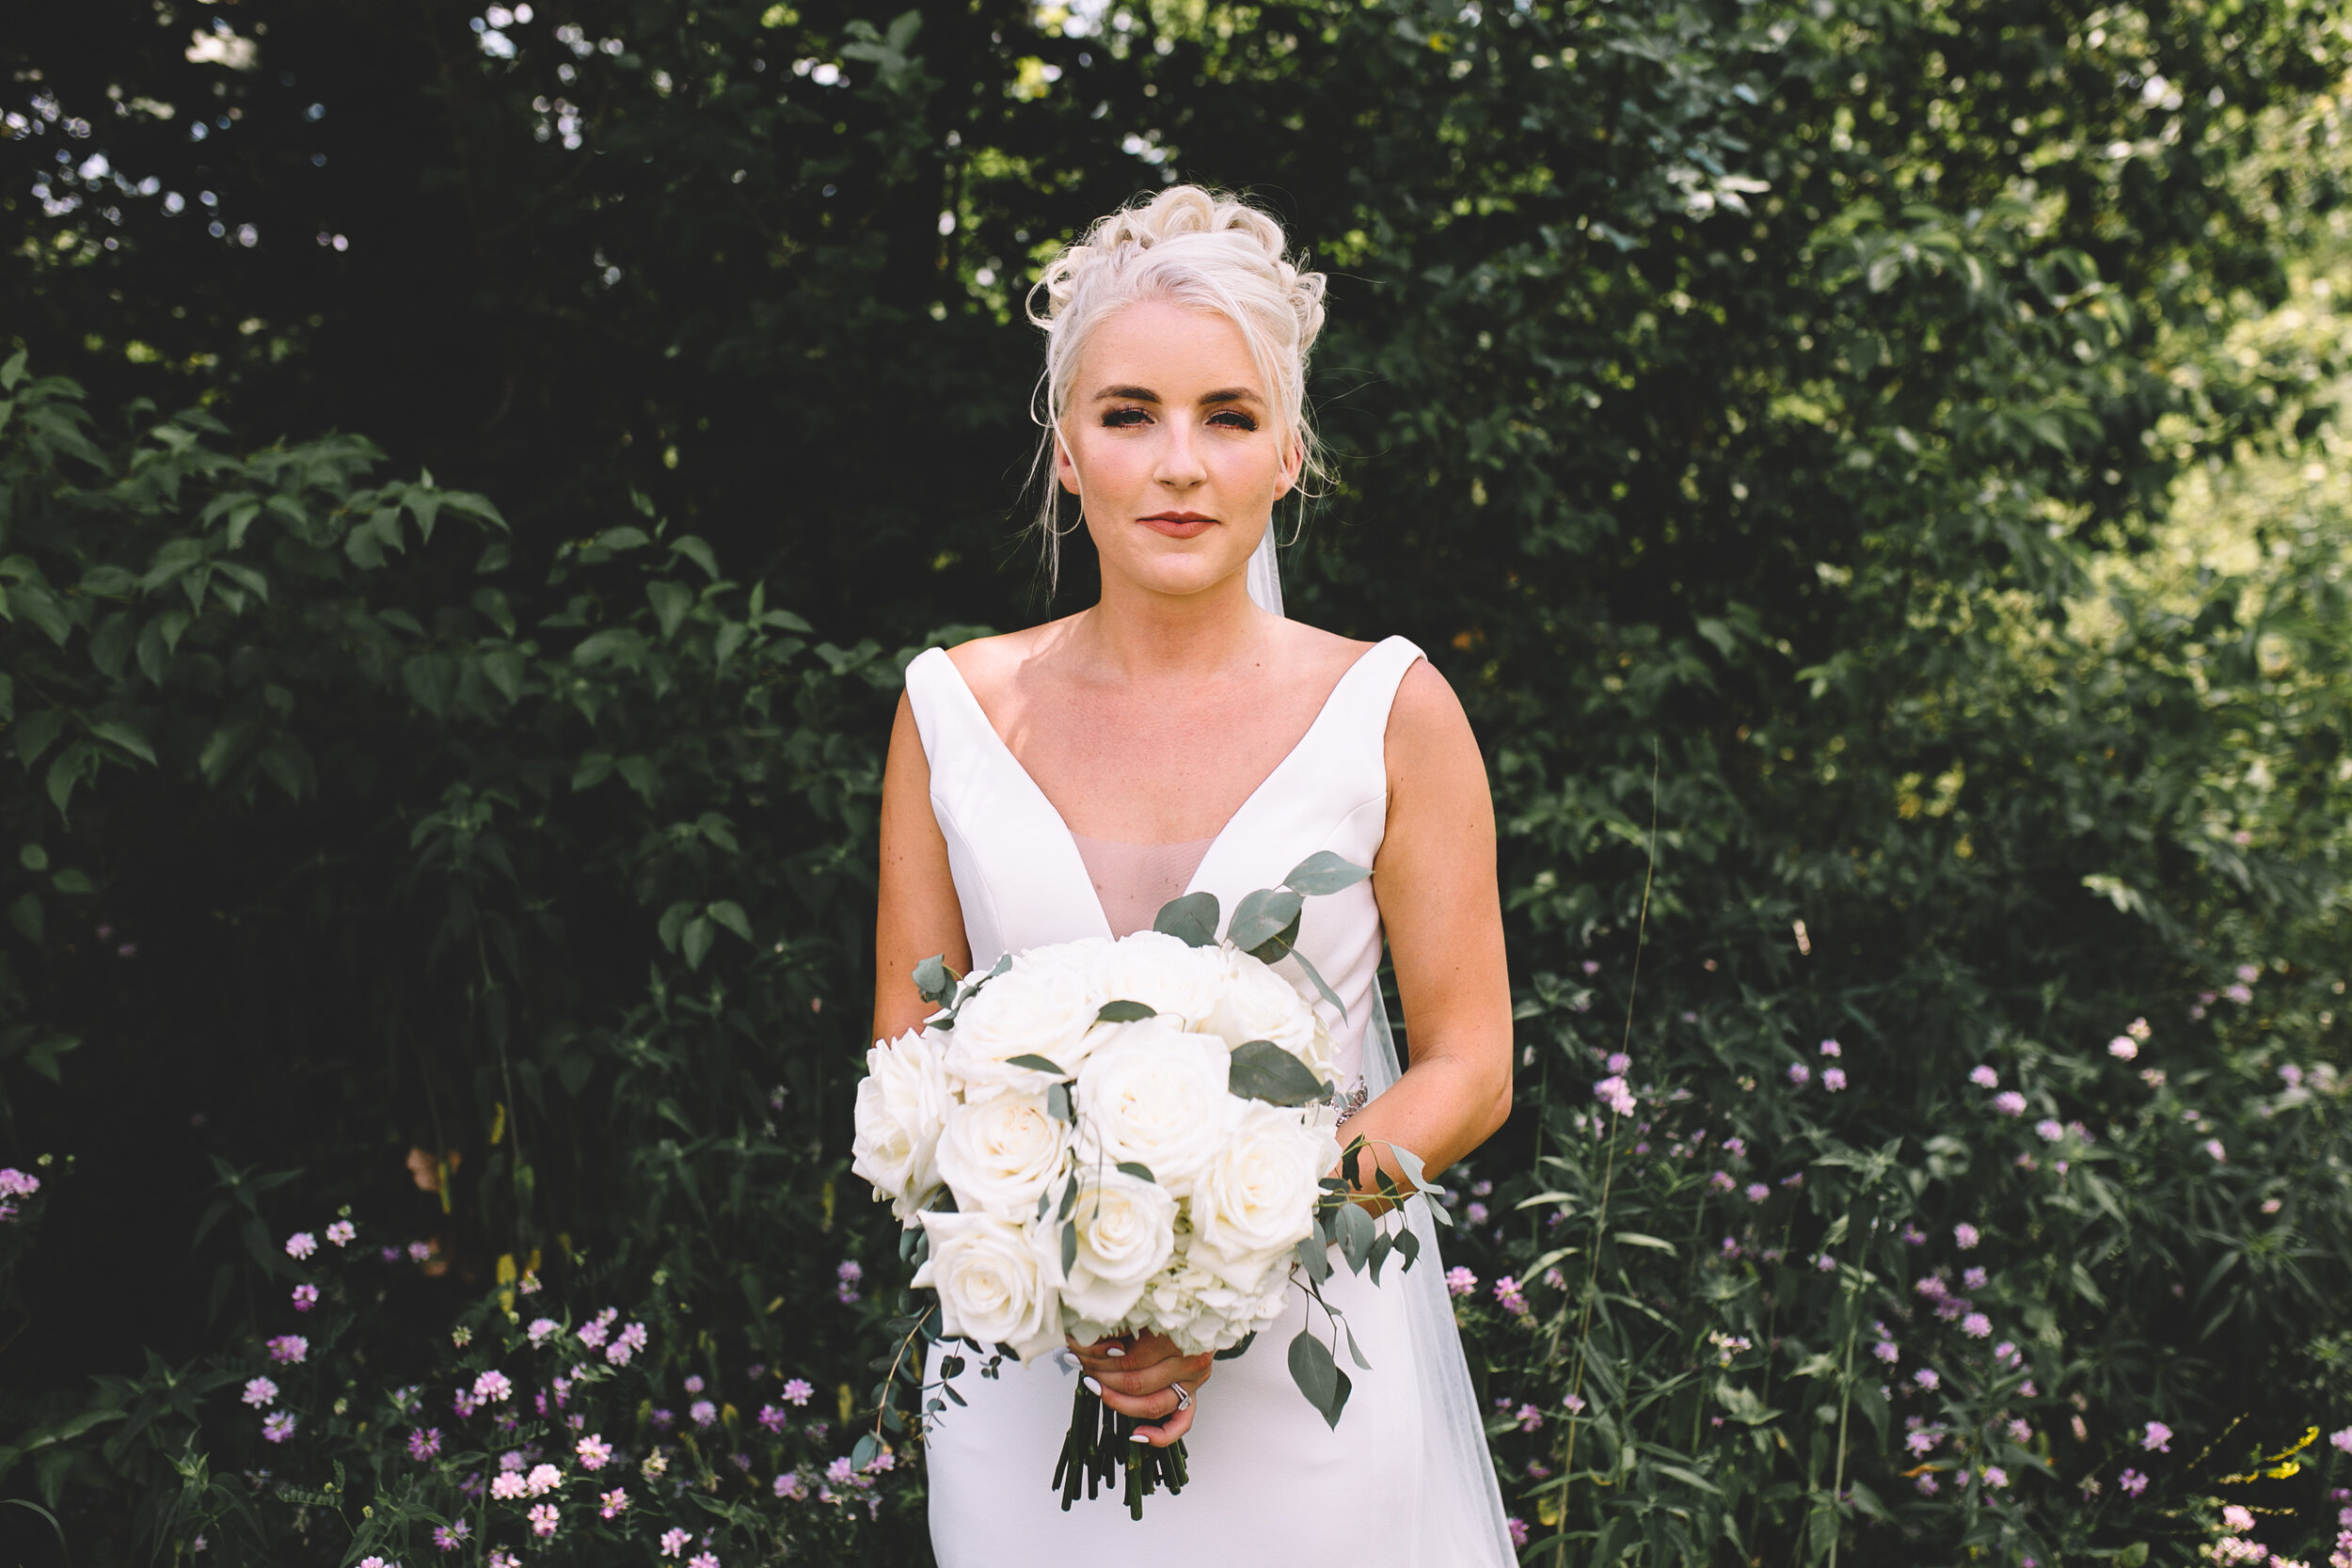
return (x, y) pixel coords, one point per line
(1103, 1138)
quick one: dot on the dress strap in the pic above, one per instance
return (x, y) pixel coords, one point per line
(943, 707)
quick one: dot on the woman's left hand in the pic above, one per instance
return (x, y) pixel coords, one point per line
(1139, 1375)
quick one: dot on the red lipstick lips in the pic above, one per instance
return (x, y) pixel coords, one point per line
(1178, 525)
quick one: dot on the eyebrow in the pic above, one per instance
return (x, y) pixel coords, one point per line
(1145, 394)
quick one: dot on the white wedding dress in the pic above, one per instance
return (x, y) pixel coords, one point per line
(1405, 1481)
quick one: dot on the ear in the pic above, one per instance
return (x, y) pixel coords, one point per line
(1065, 466)
(1293, 460)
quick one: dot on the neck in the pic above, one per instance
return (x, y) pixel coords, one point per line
(1145, 636)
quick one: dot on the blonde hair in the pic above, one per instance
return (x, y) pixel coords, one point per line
(1194, 248)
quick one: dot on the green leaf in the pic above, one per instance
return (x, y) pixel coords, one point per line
(1318, 1376)
(1324, 872)
(671, 603)
(1260, 1069)
(26, 916)
(1261, 916)
(1140, 1172)
(696, 940)
(1058, 1103)
(124, 735)
(1124, 1012)
(933, 980)
(1035, 1064)
(729, 913)
(35, 732)
(1315, 976)
(1356, 1234)
(1069, 1248)
(1635, 1238)
(699, 552)
(1191, 919)
(32, 857)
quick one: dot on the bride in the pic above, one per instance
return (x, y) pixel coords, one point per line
(1066, 780)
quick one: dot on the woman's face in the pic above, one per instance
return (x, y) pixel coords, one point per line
(1172, 448)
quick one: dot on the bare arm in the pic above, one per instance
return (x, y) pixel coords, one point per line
(916, 912)
(1435, 880)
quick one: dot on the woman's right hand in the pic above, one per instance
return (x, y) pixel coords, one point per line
(1139, 1374)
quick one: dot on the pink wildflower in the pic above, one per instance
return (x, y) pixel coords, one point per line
(703, 1560)
(1458, 1281)
(772, 1417)
(1834, 1079)
(1756, 1192)
(2009, 1103)
(1830, 1048)
(595, 1452)
(612, 1502)
(627, 1344)
(1800, 1074)
(540, 1328)
(2342, 1440)
(2158, 1439)
(424, 1443)
(261, 1391)
(542, 1519)
(703, 1413)
(492, 1387)
(1518, 1527)
(278, 1426)
(1985, 1077)
(341, 1232)
(672, 1541)
(301, 1244)
(304, 1297)
(289, 1348)
(2132, 1482)
(791, 1487)
(1977, 1326)
(797, 1390)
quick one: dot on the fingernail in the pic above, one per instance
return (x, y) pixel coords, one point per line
(1092, 1387)
(1138, 1437)
(1114, 1349)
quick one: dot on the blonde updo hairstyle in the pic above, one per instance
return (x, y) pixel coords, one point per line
(1193, 248)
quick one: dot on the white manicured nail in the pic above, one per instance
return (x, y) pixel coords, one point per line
(1138, 1437)
(1092, 1387)
(1114, 1349)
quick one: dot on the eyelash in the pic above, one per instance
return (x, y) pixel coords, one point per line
(1117, 418)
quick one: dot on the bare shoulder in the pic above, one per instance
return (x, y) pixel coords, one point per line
(990, 665)
(1426, 721)
(1315, 656)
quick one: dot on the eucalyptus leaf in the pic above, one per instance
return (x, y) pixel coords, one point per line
(1260, 1069)
(1356, 1234)
(1191, 919)
(1316, 1374)
(933, 979)
(1069, 1248)
(1140, 1172)
(1324, 872)
(1124, 1012)
(1261, 916)
(1058, 1103)
(1035, 1064)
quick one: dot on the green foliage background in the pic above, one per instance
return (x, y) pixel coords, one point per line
(1871, 471)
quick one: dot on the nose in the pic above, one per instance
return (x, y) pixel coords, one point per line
(1180, 466)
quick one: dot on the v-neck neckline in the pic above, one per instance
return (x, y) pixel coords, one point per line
(1216, 840)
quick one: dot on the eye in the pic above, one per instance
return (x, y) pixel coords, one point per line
(1125, 418)
(1232, 418)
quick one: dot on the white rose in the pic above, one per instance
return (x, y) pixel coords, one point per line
(1256, 1004)
(998, 1154)
(994, 1282)
(901, 1104)
(1041, 1007)
(1154, 1093)
(1126, 1233)
(1181, 983)
(1254, 1201)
